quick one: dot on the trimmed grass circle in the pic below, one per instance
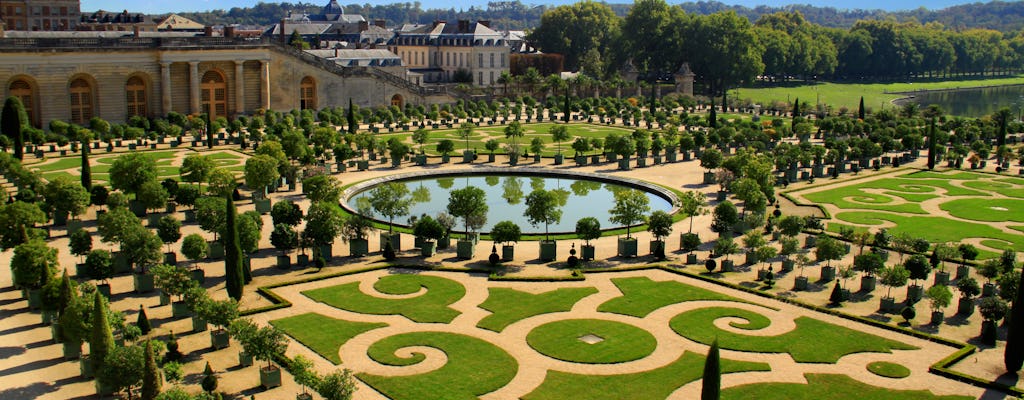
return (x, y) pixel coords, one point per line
(888, 370)
(619, 342)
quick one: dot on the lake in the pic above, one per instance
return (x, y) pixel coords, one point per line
(973, 102)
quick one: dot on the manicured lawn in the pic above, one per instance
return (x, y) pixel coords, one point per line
(986, 209)
(619, 342)
(1003, 187)
(474, 367)
(431, 306)
(888, 370)
(848, 94)
(934, 229)
(60, 164)
(653, 384)
(641, 296)
(804, 343)
(508, 306)
(323, 334)
(826, 386)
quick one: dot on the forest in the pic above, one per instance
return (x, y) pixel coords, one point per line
(1003, 16)
(726, 50)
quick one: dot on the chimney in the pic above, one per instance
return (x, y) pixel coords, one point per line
(284, 37)
(484, 22)
(229, 31)
(363, 26)
(335, 52)
(463, 25)
(208, 31)
(135, 30)
(381, 23)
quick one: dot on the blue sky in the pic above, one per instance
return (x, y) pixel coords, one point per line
(164, 6)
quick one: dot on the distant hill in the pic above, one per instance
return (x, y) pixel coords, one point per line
(1004, 16)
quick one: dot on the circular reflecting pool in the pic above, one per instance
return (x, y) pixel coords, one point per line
(580, 195)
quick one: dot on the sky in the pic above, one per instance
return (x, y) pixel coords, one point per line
(166, 6)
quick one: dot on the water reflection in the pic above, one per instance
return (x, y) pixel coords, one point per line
(974, 102)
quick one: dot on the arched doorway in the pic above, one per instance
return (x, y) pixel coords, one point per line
(307, 94)
(135, 97)
(396, 101)
(81, 93)
(24, 92)
(214, 95)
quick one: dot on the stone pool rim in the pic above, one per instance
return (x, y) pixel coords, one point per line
(362, 186)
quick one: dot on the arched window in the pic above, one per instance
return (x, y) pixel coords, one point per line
(81, 101)
(23, 91)
(214, 95)
(135, 97)
(396, 101)
(307, 94)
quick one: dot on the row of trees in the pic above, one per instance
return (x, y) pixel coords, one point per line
(726, 50)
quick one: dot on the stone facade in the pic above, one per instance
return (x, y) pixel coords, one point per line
(73, 79)
(41, 15)
(441, 51)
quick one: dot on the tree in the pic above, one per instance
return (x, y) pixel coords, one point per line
(250, 231)
(576, 30)
(869, 263)
(322, 188)
(233, 270)
(860, 109)
(445, 146)
(114, 225)
(323, 223)
(305, 375)
(894, 277)
(168, 229)
(86, 167)
(465, 131)
(559, 133)
(337, 385)
(80, 242)
(222, 182)
(791, 225)
(12, 124)
(918, 266)
(123, 368)
(514, 131)
(141, 247)
(260, 172)
(65, 196)
(630, 208)
(130, 171)
(692, 203)
(588, 228)
(210, 212)
(16, 223)
(152, 195)
(828, 249)
(209, 382)
(1013, 357)
(470, 204)
(284, 237)
(724, 218)
(391, 200)
(98, 265)
(350, 117)
(286, 212)
(939, 296)
(101, 340)
(195, 247)
(33, 264)
(151, 380)
(542, 208)
(1002, 119)
(725, 246)
(505, 232)
(711, 381)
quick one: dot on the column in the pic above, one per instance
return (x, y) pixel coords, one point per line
(165, 87)
(265, 84)
(239, 87)
(193, 81)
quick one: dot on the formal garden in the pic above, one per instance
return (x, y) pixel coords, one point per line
(223, 258)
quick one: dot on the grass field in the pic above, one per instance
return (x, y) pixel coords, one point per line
(323, 334)
(430, 306)
(848, 94)
(508, 306)
(618, 342)
(823, 386)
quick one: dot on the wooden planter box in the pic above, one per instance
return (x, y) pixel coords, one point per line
(220, 339)
(548, 250)
(465, 249)
(270, 377)
(627, 247)
(358, 247)
(800, 283)
(508, 253)
(587, 252)
(199, 325)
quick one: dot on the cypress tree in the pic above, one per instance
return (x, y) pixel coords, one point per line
(143, 321)
(711, 383)
(836, 297)
(67, 292)
(351, 117)
(209, 379)
(860, 110)
(209, 130)
(796, 113)
(232, 253)
(931, 144)
(151, 380)
(566, 109)
(1014, 355)
(86, 168)
(101, 342)
(713, 115)
(11, 125)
